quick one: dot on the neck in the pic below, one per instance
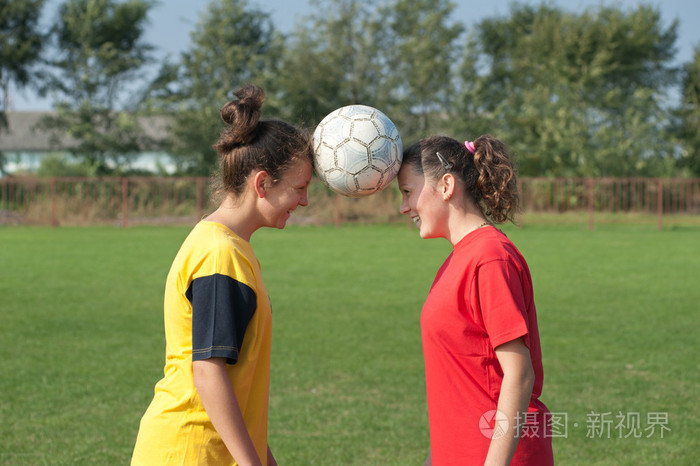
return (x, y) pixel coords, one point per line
(466, 226)
(237, 216)
(464, 218)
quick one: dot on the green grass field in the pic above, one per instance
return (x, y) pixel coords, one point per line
(81, 340)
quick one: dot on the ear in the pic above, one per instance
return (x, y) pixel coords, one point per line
(260, 183)
(447, 186)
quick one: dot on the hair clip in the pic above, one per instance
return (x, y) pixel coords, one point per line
(470, 146)
(444, 162)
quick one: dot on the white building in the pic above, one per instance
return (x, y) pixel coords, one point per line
(24, 145)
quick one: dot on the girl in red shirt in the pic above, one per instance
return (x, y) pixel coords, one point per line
(481, 344)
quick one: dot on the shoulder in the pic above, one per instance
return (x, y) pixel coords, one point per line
(211, 249)
(491, 245)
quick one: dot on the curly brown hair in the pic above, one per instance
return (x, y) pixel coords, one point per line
(248, 143)
(488, 174)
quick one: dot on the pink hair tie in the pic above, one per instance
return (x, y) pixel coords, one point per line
(470, 146)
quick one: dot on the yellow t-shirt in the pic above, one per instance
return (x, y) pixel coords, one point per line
(216, 305)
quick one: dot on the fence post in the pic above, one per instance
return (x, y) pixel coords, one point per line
(337, 210)
(590, 204)
(200, 195)
(125, 200)
(660, 203)
(54, 220)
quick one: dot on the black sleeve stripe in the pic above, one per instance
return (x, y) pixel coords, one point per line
(221, 310)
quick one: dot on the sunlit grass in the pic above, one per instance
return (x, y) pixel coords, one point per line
(81, 339)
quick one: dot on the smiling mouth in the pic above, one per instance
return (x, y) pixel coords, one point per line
(415, 219)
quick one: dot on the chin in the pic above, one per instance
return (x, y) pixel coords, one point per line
(427, 234)
(283, 222)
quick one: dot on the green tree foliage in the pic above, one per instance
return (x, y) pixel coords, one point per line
(573, 94)
(98, 53)
(20, 44)
(59, 165)
(233, 44)
(397, 56)
(20, 47)
(335, 57)
(423, 52)
(688, 128)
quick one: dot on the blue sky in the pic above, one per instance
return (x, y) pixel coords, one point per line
(172, 20)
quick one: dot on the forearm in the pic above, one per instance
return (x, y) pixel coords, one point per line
(220, 402)
(513, 403)
(516, 390)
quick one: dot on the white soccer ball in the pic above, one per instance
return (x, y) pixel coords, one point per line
(357, 150)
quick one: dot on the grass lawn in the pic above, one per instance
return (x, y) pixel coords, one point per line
(81, 340)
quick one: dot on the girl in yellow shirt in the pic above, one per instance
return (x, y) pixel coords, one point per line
(211, 405)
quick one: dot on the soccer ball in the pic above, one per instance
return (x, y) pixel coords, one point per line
(357, 150)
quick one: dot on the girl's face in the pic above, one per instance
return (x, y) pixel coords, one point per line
(288, 194)
(421, 201)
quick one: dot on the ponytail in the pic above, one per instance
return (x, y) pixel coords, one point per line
(496, 180)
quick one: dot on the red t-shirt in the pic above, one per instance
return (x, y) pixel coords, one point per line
(481, 298)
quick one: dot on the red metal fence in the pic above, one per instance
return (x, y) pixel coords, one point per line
(153, 200)
(83, 201)
(657, 197)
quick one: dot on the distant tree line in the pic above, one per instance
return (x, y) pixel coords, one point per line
(592, 93)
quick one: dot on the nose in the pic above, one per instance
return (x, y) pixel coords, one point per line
(404, 208)
(304, 201)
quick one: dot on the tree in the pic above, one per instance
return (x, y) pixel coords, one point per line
(574, 94)
(20, 47)
(336, 57)
(423, 53)
(99, 52)
(233, 44)
(688, 116)
(396, 56)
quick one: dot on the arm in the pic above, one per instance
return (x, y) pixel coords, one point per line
(516, 389)
(219, 400)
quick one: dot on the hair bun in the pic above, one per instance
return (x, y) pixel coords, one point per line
(241, 117)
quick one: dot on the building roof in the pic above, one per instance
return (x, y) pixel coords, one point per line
(23, 134)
